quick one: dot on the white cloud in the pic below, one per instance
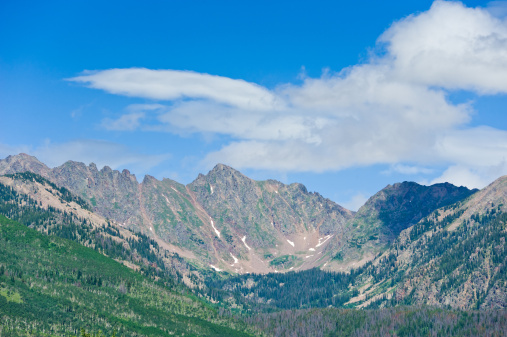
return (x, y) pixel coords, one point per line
(360, 118)
(474, 147)
(478, 156)
(408, 169)
(176, 84)
(126, 122)
(465, 176)
(201, 116)
(132, 120)
(100, 152)
(391, 110)
(450, 46)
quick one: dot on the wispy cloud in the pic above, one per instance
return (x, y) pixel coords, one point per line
(408, 169)
(126, 122)
(132, 120)
(176, 84)
(393, 109)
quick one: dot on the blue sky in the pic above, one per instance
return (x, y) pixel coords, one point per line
(344, 97)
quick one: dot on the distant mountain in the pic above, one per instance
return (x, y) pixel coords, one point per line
(399, 206)
(227, 221)
(384, 215)
(23, 162)
(223, 219)
(456, 256)
(272, 225)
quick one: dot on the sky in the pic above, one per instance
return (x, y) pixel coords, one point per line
(343, 97)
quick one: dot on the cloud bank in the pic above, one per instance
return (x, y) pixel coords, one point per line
(393, 109)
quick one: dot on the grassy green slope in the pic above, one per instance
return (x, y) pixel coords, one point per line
(53, 286)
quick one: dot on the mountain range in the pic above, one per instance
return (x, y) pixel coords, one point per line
(227, 243)
(230, 222)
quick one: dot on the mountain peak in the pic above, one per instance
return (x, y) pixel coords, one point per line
(222, 167)
(22, 157)
(21, 163)
(223, 172)
(401, 205)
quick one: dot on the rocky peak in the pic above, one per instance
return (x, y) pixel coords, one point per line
(223, 180)
(21, 163)
(107, 170)
(298, 187)
(221, 171)
(71, 165)
(149, 180)
(93, 168)
(398, 206)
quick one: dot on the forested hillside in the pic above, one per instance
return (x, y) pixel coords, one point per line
(399, 322)
(50, 285)
(136, 249)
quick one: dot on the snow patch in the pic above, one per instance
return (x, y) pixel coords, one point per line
(151, 229)
(276, 192)
(213, 225)
(235, 259)
(216, 269)
(166, 199)
(244, 239)
(211, 187)
(304, 238)
(307, 256)
(291, 268)
(327, 237)
(290, 242)
(174, 189)
(311, 249)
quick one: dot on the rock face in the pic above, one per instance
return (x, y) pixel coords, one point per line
(267, 208)
(112, 194)
(223, 219)
(271, 224)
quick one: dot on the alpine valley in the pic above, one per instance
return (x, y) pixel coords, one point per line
(84, 250)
